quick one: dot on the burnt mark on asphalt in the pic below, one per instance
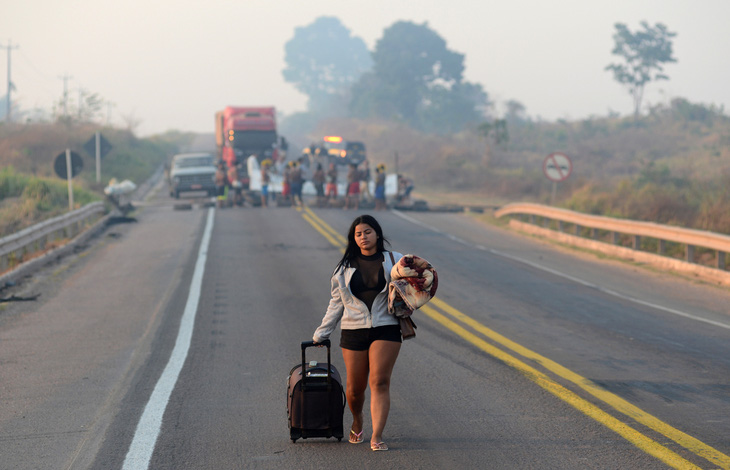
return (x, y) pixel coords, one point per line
(18, 298)
(120, 220)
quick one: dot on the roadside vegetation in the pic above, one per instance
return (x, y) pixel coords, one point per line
(31, 192)
(671, 166)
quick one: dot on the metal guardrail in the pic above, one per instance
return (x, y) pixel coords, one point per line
(690, 238)
(14, 248)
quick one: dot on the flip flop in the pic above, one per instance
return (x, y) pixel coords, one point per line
(355, 437)
(376, 446)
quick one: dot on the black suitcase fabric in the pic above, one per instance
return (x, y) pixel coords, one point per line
(315, 399)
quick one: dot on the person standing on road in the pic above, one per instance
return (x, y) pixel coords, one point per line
(297, 181)
(265, 180)
(318, 179)
(332, 183)
(370, 337)
(380, 187)
(235, 185)
(220, 183)
(352, 198)
(365, 184)
(286, 183)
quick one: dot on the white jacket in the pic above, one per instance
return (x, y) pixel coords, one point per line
(351, 311)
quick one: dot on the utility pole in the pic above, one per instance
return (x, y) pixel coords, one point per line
(9, 48)
(65, 79)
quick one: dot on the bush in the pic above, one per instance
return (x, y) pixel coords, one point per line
(11, 183)
(27, 200)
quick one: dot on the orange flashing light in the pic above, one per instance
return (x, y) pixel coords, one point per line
(333, 138)
(343, 153)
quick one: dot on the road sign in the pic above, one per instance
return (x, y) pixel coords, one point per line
(104, 146)
(59, 164)
(557, 167)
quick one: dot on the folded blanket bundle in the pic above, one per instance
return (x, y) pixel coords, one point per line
(413, 282)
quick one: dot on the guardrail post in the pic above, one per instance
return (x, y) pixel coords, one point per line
(662, 247)
(594, 233)
(577, 230)
(532, 219)
(614, 238)
(637, 242)
(561, 226)
(546, 222)
(690, 253)
(721, 260)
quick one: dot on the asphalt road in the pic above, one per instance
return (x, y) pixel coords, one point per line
(530, 357)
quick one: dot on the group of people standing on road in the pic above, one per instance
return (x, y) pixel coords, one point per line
(325, 181)
(229, 189)
(357, 187)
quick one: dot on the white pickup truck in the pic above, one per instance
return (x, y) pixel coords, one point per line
(192, 172)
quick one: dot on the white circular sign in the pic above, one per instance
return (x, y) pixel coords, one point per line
(557, 166)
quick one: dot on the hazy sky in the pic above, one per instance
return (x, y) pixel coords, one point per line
(172, 64)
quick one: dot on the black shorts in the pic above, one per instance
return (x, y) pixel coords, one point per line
(361, 339)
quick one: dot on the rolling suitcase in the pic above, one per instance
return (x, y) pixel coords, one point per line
(315, 398)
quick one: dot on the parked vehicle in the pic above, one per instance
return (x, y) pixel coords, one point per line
(355, 152)
(338, 151)
(192, 172)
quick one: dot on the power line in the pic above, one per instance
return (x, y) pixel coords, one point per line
(9, 48)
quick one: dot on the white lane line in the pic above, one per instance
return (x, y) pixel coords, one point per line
(572, 278)
(148, 429)
(612, 292)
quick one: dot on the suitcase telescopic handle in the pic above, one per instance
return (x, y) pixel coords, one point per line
(309, 344)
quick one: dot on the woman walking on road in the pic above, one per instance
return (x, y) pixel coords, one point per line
(370, 337)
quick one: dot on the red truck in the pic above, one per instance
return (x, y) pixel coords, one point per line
(244, 131)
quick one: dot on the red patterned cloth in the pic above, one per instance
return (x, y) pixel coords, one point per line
(413, 282)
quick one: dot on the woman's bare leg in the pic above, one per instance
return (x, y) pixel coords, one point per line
(382, 359)
(357, 365)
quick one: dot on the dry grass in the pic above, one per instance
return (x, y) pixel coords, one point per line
(671, 167)
(30, 191)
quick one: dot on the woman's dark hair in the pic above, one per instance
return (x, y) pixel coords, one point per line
(352, 250)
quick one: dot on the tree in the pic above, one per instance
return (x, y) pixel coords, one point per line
(323, 60)
(447, 110)
(418, 80)
(644, 54)
(88, 108)
(516, 112)
(494, 131)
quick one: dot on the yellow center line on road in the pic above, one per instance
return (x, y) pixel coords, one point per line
(318, 227)
(638, 439)
(326, 226)
(688, 442)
